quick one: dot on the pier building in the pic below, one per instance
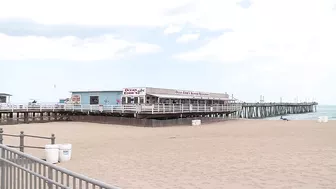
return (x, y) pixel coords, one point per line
(150, 95)
(112, 97)
(4, 98)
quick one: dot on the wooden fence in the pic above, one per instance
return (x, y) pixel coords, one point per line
(22, 136)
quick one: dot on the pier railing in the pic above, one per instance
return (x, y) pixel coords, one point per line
(22, 136)
(19, 170)
(127, 108)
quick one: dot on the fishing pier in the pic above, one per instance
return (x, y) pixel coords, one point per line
(15, 114)
(264, 110)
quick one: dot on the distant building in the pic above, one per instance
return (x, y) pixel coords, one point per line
(4, 98)
(96, 97)
(64, 100)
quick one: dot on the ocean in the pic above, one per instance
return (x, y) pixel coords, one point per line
(323, 110)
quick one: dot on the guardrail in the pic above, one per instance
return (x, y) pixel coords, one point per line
(23, 171)
(128, 108)
(22, 137)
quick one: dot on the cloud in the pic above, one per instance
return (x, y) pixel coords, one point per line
(104, 47)
(172, 29)
(185, 38)
(13, 27)
(291, 38)
(245, 3)
(85, 12)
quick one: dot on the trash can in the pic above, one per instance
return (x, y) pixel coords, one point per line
(65, 152)
(325, 119)
(52, 153)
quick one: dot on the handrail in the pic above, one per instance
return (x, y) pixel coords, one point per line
(125, 108)
(22, 136)
(52, 167)
(33, 173)
(7, 134)
(159, 108)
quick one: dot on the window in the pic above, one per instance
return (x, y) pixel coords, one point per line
(130, 100)
(123, 100)
(94, 99)
(2, 99)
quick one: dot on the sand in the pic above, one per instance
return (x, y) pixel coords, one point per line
(234, 154)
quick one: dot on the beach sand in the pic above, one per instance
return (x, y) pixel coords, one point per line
(233, 154)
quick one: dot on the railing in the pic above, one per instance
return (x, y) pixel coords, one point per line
(279, 104)
(22, 143)
(22, 171)
(128, 108)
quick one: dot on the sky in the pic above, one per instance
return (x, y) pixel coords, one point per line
(275, 48)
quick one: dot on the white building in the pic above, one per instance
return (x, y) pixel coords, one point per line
(5, 98)
(149, 95)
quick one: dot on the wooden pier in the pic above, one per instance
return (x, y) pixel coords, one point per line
(15, 114)
(264, 110)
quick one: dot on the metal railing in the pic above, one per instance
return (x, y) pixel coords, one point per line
(22, 171)
(22, 136)
(127, 108)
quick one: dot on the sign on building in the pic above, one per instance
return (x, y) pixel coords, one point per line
(76, 99)
(134, 91)
(193, 93)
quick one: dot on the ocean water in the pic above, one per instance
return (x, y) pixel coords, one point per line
(324, 110)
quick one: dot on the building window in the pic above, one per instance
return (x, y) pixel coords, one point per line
(3, 99)
(94, 99)
(130, 100)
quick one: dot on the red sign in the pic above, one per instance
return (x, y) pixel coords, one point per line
(134, 91)
(76, 99)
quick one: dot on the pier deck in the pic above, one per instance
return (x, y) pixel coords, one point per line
(263, 110)
(123, 109)
(13, 113)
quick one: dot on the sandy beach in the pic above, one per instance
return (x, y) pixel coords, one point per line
(233, 154)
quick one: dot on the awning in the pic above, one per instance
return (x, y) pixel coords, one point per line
(186, 97)
(5, 94)
(170, 96)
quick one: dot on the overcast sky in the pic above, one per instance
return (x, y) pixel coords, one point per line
(275, 48)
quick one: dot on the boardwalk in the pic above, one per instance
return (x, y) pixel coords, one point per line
(12, 114)
(123, 109)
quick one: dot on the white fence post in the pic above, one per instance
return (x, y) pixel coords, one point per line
(2, 163)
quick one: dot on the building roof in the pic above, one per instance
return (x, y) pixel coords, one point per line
(187, 97)
(5, 94)
(95, 91)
